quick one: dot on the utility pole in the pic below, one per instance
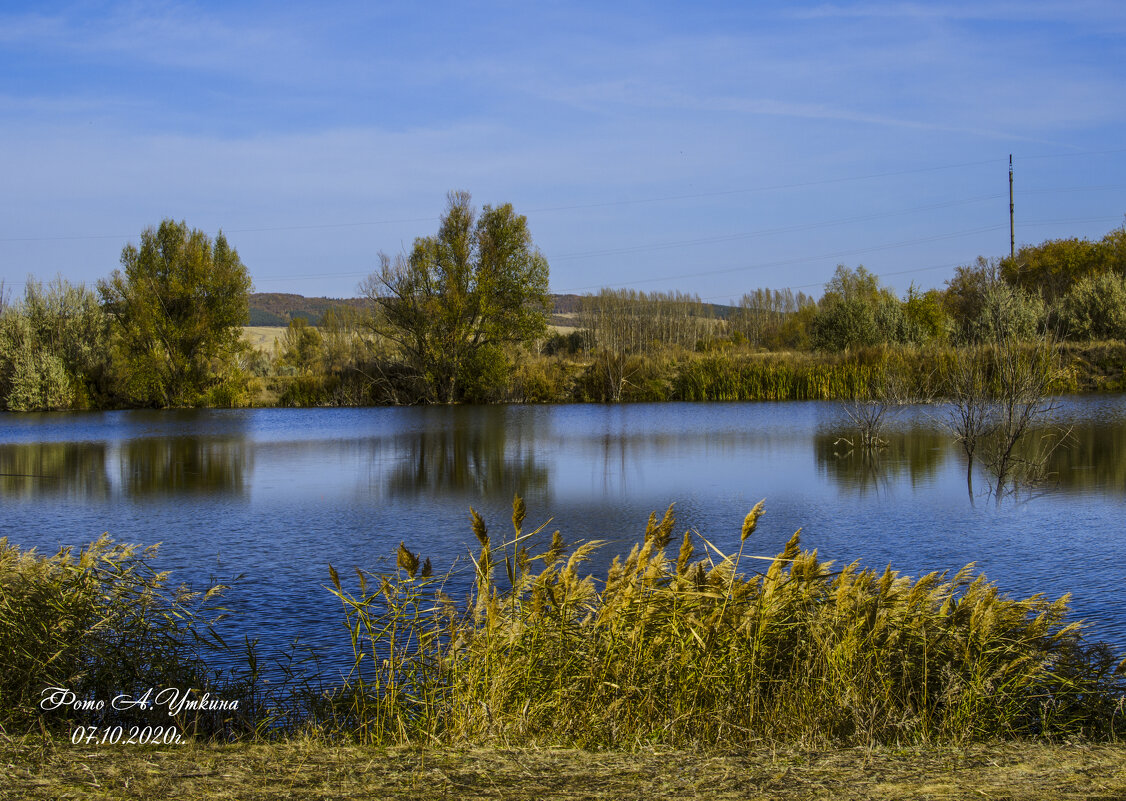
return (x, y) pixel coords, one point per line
(1012, 228)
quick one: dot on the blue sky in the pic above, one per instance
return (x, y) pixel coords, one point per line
(703, 147)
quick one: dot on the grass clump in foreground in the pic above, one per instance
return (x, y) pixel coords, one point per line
(681, 651)
(672, 649)
(101, 622)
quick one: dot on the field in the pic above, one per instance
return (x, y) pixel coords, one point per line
(34, 769)
(262, 336)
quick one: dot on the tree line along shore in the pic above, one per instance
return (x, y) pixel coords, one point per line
(466, 317)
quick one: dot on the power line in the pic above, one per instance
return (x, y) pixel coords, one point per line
(788, 262)
(932, 267)
(313, 276)
(359, 273)
(768, 232)
(695, 241)
(1073, 221)
(224, 231)
(546, 209)
(624, 202)
(946, 266)
(767, 188)
(1062, 189)
(1076, 154)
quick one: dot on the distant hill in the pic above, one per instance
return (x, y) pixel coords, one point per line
(278, 308)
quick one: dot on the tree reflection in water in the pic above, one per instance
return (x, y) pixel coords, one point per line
(1090, 458)
(185, 465)
(71, 469)
(916, 453)
(1093, 458)
(476, 452)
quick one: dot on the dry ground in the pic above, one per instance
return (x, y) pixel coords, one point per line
(39, 769)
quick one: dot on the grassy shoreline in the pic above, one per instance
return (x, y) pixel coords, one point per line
(738, 374)
(35, 768)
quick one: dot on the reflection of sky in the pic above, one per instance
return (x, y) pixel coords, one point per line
(278, 494)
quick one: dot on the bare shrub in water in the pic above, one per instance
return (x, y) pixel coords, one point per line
(998, 395)
(692, 651)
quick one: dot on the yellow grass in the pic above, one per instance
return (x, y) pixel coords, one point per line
(711, 652)
(262, 336)
(303, 769)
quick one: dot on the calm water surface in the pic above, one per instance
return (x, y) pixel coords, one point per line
(278, 494)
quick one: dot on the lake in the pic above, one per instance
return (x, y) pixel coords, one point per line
(278, 494)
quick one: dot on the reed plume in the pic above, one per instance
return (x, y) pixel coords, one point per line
(696, 652)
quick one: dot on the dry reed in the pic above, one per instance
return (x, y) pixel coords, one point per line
(683, 651)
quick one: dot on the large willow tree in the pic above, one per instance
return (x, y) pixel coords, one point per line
(461, 295)
(177, 310)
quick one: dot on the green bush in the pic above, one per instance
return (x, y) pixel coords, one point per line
(541, 381)
(305, 390)
(1095, 308)
(53, 349)
(1006, 313)
(485, 375)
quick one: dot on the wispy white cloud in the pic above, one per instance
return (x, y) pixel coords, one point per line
(310, 115)
(162, 34)
(931, 81)
(1100, 12)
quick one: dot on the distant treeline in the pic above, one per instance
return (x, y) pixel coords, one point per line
(279, 308)
(773, 345)
(458, 322)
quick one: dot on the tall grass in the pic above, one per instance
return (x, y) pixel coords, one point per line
(678, 644)
(790, 377)
(710, 651)
(101, 622)
(921, 372)
(731, 374)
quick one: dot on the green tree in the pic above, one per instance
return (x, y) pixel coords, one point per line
(1095, 308)
(856, 311)
(477, 285)
(1052, 268)
(1113, 247)
(964, 298)
(849, 284)
(763, 315)
(176, 311)
(924, 318)
(986, 308)
(842, 324)
(1006, 312)
(301, 347)
(52, 348)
